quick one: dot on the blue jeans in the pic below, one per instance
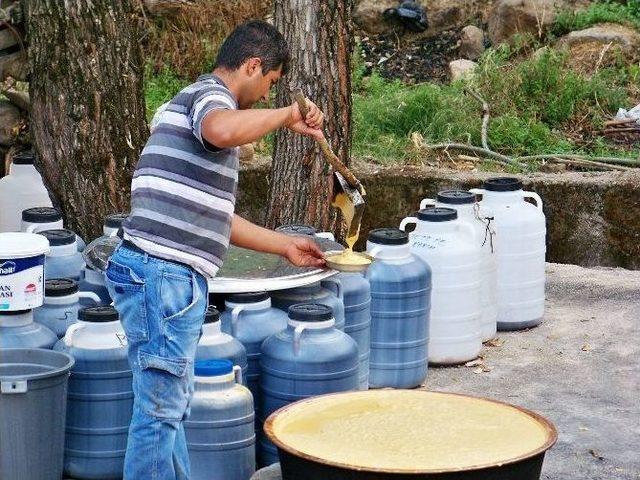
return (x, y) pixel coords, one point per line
(162, 306)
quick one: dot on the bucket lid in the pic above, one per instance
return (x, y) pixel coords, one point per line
(21, 245)
(41, 215)
(59, 237)
(437, 214)
(212, 315)
(297, 228)
(213, 368)
(388, 236)
(25, 157)
(456, 197)
(115, 220)
(503, 184)
(102, 313)
(253, 297)
(310, 312)
(60, 287)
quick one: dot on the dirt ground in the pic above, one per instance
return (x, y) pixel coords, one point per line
(580, 369)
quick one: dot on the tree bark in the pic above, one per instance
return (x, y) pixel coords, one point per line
(319, 35)
(87, 105)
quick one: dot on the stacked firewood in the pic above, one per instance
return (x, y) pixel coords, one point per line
(626, 131)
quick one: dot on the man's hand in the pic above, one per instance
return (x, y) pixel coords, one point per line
(311, 126)
(304, 252)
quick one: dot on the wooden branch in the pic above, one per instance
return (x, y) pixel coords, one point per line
(479, 151)
(612, 123)
(329, 156)
(485, 117)
(604, 160)
(592, 164)
(621, 130)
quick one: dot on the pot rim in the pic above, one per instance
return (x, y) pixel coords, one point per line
(552, 437)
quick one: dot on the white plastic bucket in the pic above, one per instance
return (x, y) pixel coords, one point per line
(22, 258)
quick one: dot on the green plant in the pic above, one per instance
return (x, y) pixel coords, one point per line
(160, 88)
(598, 12)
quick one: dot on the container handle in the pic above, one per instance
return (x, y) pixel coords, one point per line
(334, 282)
(535, 197)
(71, 331)
(408, 221)
(32, 228)
(427, 202)
(477, 191)
(297, 334)
(91, 296)
(375, 251)
(237, 371)
(13, 386)
(235, 314)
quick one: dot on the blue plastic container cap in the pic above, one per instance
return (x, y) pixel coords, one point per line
(213, 368)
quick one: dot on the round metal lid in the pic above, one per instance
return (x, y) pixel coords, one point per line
(249, 271)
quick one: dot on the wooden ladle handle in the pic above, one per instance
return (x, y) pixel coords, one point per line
(330, 157)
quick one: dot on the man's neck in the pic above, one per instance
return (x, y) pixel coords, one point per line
(229, 79)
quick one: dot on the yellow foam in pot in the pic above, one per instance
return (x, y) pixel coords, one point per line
(403, 430)
(349, 257)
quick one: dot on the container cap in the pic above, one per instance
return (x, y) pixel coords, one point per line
(212, 315)
(456, 197)
(59, 237)
(41, 215)
(310, 312)
(60, 287)
(388, 236)
(103, 313)
(437, 214)
(253, 297)
(213, 368)
(297, 228)
(115, 220)
(26, 157)
(503, 184)
(21, 245)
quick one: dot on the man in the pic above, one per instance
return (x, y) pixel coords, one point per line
(181, 222)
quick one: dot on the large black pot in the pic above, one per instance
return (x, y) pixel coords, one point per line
(297, 465)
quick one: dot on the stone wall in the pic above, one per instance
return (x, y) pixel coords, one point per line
(592, 218)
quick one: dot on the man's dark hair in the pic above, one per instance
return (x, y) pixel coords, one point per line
(254, 39)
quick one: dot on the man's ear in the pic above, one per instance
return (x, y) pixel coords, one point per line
(253, 65)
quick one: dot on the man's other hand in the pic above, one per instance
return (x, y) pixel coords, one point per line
(304, 252)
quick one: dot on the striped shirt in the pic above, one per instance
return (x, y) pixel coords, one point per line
(183, 189)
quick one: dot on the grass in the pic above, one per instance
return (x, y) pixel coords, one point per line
(626, 13)
(537, 106)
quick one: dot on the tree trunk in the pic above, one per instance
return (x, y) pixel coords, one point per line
(87, 107)
(319, 36)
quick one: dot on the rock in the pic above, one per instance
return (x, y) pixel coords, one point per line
(271, 472)
(471, 42)
(8, 38)
(18, 98)
(462, 68)
(600, 45)
(14, 65)
(368, 15)
(446, 18)
(10, 117)
(508, 17)
(247, 152)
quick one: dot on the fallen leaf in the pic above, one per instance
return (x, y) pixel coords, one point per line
(478, 370)
(596, 454)
(494, 342)
(586, 347)
(583, 429)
